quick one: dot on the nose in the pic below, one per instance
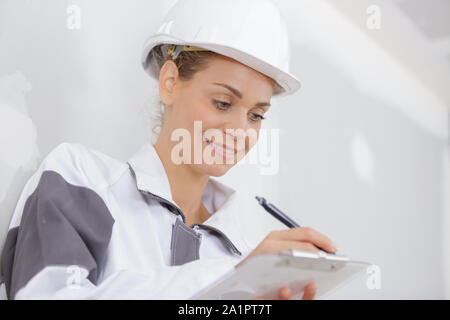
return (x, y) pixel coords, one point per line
(237, 125)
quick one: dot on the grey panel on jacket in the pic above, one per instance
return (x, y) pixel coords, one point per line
(62, 224)
(184, 238)
(185, 244)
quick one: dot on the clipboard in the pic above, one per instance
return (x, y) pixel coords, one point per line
(264, 274)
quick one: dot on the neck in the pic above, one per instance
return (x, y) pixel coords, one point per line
(186, 185)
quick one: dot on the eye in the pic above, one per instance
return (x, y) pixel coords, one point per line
(221, 105)
(256, 117)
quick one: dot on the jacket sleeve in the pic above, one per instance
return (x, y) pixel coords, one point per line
(174, 282)
(57, 244)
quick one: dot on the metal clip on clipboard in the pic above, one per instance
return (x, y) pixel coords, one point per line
(313, 261)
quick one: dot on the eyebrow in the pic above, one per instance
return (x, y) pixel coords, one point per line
(238, 94)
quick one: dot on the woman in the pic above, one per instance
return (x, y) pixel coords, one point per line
(157, 226)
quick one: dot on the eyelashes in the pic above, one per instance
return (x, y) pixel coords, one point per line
(258, 117)
(225, 106)
(218, 103)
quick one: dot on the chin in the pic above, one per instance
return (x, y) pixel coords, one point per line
(213, 170)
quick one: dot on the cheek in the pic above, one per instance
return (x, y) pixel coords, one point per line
(254, 139)
(192, 105)
(197, 117)
(206, 114)
(189, 109)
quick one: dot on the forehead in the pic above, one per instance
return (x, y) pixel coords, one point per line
(221, 69)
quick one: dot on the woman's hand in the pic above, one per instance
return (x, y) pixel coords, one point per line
(285, 293)
(301, 238)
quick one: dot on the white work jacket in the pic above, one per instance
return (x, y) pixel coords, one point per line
(87, 226)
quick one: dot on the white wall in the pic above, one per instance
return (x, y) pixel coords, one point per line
(361, 143)
(361, 153)
(78, 85)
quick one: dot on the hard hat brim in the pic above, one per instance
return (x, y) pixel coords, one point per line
(288, 82)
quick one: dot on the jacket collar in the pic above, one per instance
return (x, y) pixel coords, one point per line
(219, 199)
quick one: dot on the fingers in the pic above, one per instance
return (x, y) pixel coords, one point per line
(297, 245)
(284, 293)
(310, 291)
(305, 234)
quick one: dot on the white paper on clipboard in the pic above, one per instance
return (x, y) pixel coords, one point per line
(264, 274)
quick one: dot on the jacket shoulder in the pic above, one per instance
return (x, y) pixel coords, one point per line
(81, 165)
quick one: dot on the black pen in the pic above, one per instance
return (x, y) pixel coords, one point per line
(277, 213)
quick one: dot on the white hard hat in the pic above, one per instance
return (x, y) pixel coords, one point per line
(252, 32)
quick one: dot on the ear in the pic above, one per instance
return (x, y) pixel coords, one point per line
(168, 77)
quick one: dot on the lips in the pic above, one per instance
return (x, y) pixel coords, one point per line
(224, 149)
